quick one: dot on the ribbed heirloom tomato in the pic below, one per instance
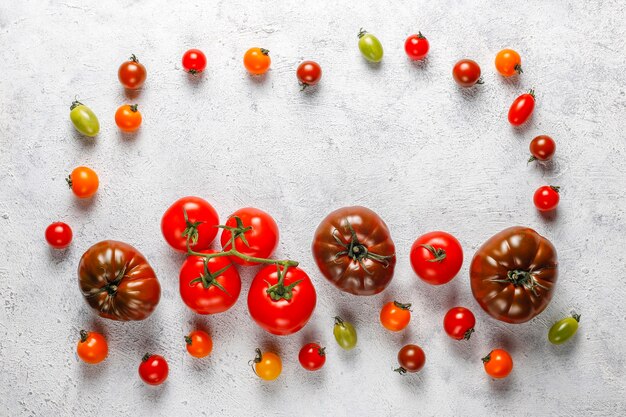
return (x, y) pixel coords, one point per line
(132, 74)
(436, 257)
(193, 217)
(83, 181)
(257, 61)
(255, 232)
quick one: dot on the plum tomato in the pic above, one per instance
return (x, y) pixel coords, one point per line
(459, 323)
(522, 108)
(59, 235)
(370, 46)
(436, 257)
(564, 329)
(345, 334)
(84, 119)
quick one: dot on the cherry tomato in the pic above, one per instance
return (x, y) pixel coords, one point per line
(194, 61)
(498, 363)
(436, 257)
(128, 118)
(83, 181)
(312, 356)
(508, 63)
(459, 323)
(345, 334)
(564, 329)
(256, 234)
(132, 74)
(59, 235)
(411, 359)
(542, 148)
(395, 316)
(309, 73)
(193, 217)
(199, 344)
(92, 347)
(209, 288)
(257, 61)
(466, 73)
(546, 198)
(153, 369)
(281, 309)
(416, 46)
(267, 365)
(370, 46)
(522, 108)
(84, 119)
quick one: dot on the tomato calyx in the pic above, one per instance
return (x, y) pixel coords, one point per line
(406, 306)
(191, 229)
(518, 69)
(279, 290)
(146, 357)
(133, 107)
(237, 232)
(521, 278)
(321, 351)
(362, 33)
(487, 358)
(576, 317)
(531, 92)
(402, 371)
(468, 334)
(133, 58)
(531, 159)
(69, 181)
(480, 81)
(208, 278)
(264, 51)
(357, 251)
(75, 104)
(420, 36)
(188, 340)
(439, 254)
(555, 188)
(111, 287)
(84, 335)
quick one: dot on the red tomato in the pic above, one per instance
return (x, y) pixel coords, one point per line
(194, 61)
(92, 347)
(466, 73)
(209, 290)
(132, 74)
(498, 364)
(542, 148)
(546, 198)
(59, 235)
(436, 257)
(281, 309)
(309, 73)
(411, 359)
(312, 356)
(153, 369)
(522, 108)
(256, 234)
(395, 316)
(416, 46)
(199, 344)
(459, 323)
(201, 224)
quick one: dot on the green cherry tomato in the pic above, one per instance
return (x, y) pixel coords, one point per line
(370, 47)
(345, 335)
(564, 329)
(84, 119)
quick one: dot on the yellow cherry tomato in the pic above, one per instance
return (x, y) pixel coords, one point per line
(267, 365)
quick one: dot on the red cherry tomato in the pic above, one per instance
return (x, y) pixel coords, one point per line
(312, 356)
(209, 290)
(522, 108)
(194, 61)
(466, 73)
(200, 224)
(542, 148)
(395, 316)
(153, 369)
(256, 234)
(411, 359)
(59, 235)
(436, 257)
(416, 46)
(309, 73)
(459, 323)
(132, 74)
(546, 198)
(498, 363)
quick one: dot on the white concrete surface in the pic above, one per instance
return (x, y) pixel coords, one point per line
(400, 138)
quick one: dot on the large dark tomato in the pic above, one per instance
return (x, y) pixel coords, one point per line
(200, 224)
(436, 257)
(353, 249)
(281, 310)
(513, 274)
(209, 288)
(256, 234)
(522, 108)
(117, 281)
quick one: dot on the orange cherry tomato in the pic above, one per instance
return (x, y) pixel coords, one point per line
(83, 181)
(267, 365)
(128, 118)
(92, 347)
(498, 363)
(257, 61)
(199, 344)
(395, 316)
(508, 63)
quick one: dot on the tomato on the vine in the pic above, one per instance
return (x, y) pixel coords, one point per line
(498, 363)
(312, 356)
(522, 108)
(309, 73)
(194, 61)
(395, 316)
(345, 334)
(199, 344)
(416, 46)
(411, 359)
(546, 198)
(436, 257)
(211, 286)
(281, 307)
(542, 148)
(84, 119)
(267, 365)
(190, 217)
(508, 63)
(132, 74)
(153, 369)
(564, 329)
(59, 235)
(83, 181)
(459, 323)
(92, 347)
(257, 61)
(466, 73)
(370, 46)
(255, 231)
(128, 118)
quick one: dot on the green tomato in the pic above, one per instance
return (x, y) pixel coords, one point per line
(84, 119)
(370, 47)
(564, 329)
(345, 335)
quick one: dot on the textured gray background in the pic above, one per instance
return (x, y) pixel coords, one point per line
(399, 137)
